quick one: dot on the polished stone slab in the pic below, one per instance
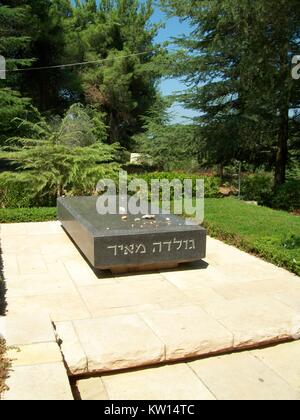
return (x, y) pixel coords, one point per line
(118, 242)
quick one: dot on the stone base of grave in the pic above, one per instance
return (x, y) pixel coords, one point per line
(144, 268)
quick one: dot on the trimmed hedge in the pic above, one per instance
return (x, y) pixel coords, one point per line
(42, 214)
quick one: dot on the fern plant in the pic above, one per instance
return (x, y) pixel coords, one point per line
(60, 157)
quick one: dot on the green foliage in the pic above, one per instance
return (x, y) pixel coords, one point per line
(273, 235)
(14, 42)
(17, 190)
(257, 187)
(260, 187)
(278, 253)
(138, 168)
(123, 87)
(287, 196)
(212, 184)
(28, 215)
(14, 39)
(170, 147)
(54, 161)
(52, 90)
(291, 241)
(237, 62)
(12, 105)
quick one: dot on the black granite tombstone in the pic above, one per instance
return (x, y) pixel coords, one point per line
(122, 243)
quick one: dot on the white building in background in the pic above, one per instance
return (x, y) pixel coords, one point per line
(136, 158)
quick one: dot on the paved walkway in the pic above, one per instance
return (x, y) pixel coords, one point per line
(268, 374)
(104, 323)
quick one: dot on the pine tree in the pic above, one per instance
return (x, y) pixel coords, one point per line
(123, 87)
(168, 146)
(238, 62)
(13, 47)
(50, 89)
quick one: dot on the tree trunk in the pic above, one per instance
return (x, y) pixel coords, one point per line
(221, 171)
(282, 149)
(283, 106)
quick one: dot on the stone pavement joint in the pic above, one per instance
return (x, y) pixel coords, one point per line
(268, 374)
(104, 323)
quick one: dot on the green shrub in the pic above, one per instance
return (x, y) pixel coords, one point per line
(42, 214)
(212, 184)
(287, 196)
(13, 194)
(257, 187)
(19, 190)
(291, 241)
(66, 158)
(137, 168)
(280, 252)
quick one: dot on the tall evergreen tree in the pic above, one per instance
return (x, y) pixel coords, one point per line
(124, 86)
(238, 62)
(14, 42)
(50, 88)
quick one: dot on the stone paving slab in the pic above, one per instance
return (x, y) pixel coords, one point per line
(129, 293)
(229, 301)
(284, 360)
(268, 374)
(74, 354)
(59, 306)
(256, 321)
(119, 342)
(174, 382)
(39, 284)
(240, 376)
(28, 328)
(92, 389)
(34, 354)
(38, 382)
(188, 332)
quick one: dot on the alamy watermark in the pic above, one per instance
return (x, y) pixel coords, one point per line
(2, 67)
(296, 67)
(137, 197)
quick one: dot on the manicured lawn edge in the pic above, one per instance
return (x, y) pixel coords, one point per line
(269, 255)
(254, 229)
(23, 215)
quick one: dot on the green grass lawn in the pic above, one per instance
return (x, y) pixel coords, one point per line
(273, 235)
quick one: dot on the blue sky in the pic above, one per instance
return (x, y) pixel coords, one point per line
(173, 28)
